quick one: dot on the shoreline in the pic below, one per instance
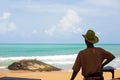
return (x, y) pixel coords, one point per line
(52, 75)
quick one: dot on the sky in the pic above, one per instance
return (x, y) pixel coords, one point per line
(58, 21)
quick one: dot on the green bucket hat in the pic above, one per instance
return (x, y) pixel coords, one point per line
(91, 37)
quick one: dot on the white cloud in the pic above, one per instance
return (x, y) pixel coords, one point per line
(11, 26)
(34, 31)
(5, 15)
(42, 7)
(68, 24)
(98, 7)
(85, 7)
(69, 20)
(51, 31)
(6, 25)
(109, 3)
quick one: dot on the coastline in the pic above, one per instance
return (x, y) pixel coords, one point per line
(59, 55)
(52, 75)
(62, 56)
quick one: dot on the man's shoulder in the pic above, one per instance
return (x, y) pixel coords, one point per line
(83, 51)
(99, 48)
(87, 50)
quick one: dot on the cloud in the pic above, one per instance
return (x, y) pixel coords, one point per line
(85, 7)
(6, 25)
(51, 31)
(109, 3)
(34, 31)
(42, 7)
(98, 7)
(68, 24)
(11, 26)
(5, 15)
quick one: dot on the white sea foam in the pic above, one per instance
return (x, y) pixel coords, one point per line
(2, 67)
(60, 60)
(56, 59)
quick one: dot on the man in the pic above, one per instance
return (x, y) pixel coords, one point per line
(92, 59)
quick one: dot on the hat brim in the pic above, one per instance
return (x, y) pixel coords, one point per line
(93, 41)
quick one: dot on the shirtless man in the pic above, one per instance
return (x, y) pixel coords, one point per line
(92, 59)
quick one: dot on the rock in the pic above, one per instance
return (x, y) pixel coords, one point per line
(32, 65)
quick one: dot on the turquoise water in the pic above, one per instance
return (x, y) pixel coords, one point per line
(14, 50)
(59, 55)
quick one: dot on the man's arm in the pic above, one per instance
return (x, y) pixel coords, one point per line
(108, 57)
(107, 61)
(76, 67)
(73, 75)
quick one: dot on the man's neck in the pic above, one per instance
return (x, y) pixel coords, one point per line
(90, 46)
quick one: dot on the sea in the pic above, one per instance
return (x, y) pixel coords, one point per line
(59, 55)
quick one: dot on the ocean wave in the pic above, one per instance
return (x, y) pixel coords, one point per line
(54, 57)
(54, 60)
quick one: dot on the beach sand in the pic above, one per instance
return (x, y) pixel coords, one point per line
(53, 75)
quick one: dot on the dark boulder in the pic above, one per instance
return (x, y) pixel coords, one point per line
(32, 65)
